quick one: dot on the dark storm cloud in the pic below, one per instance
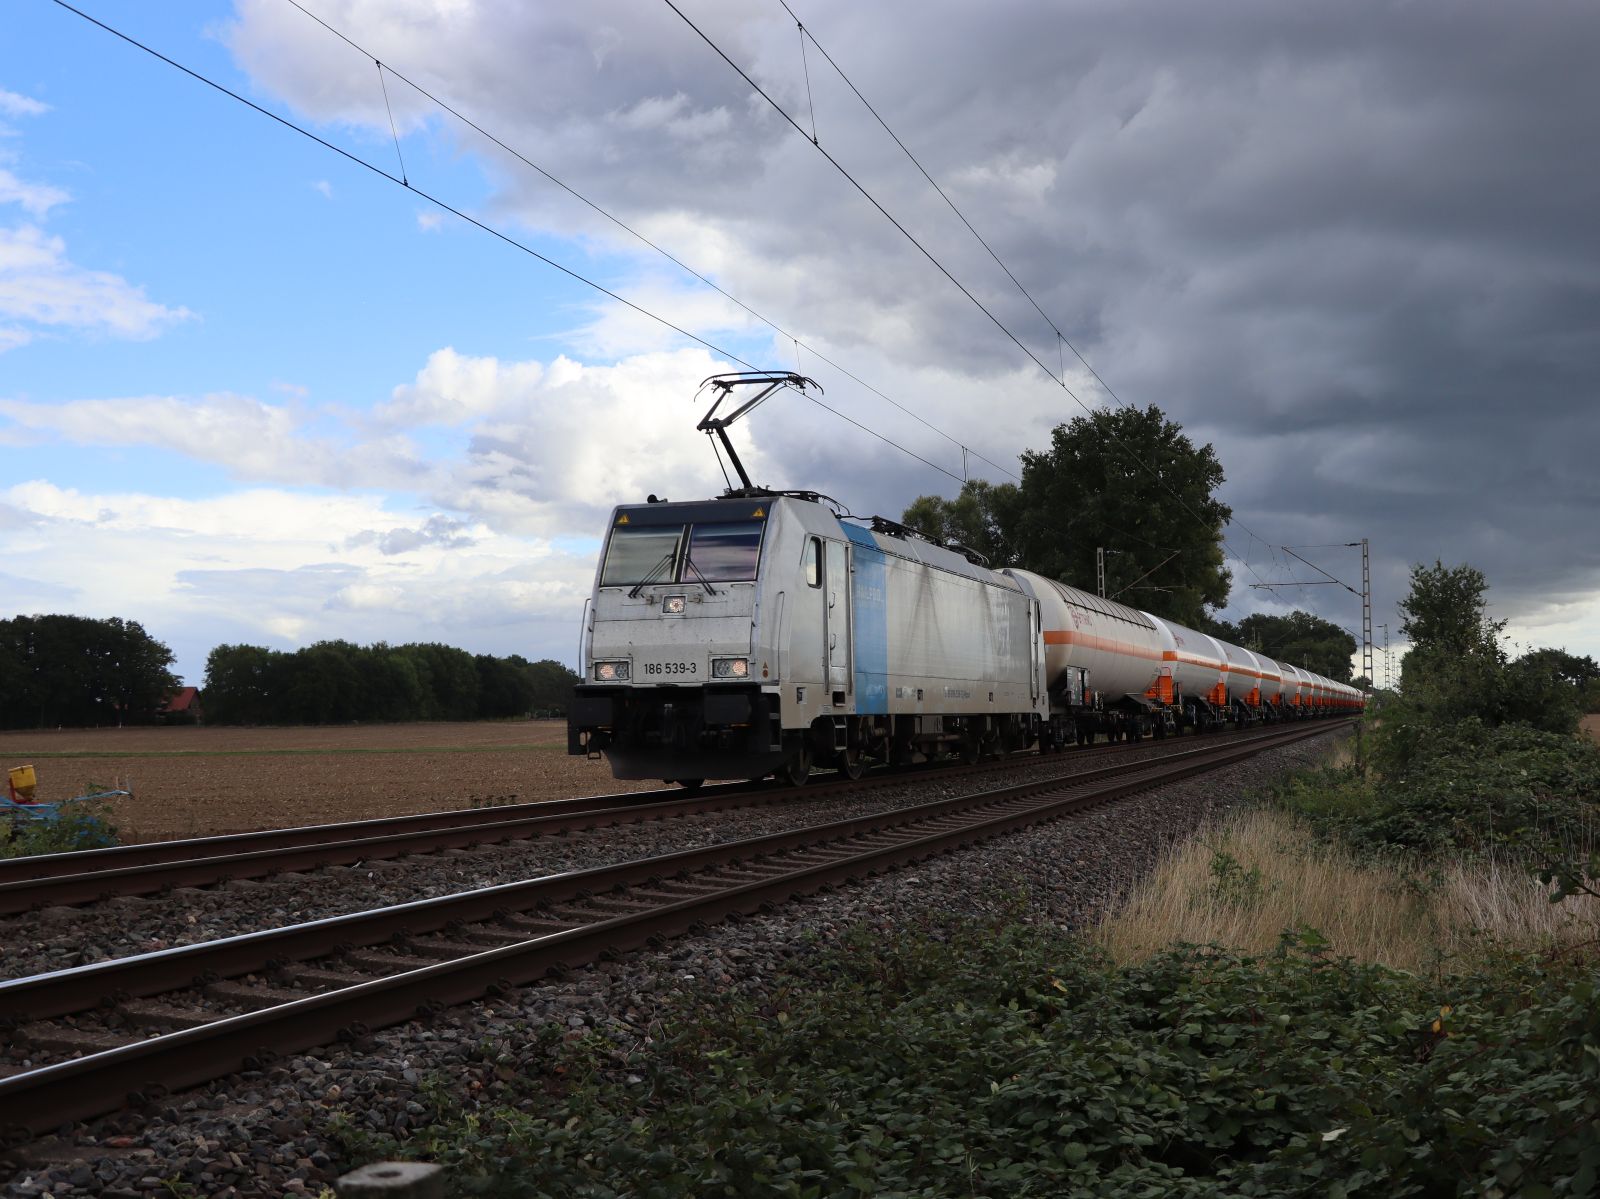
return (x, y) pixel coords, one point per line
(1352, 245)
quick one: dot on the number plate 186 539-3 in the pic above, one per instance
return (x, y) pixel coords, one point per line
(660, 669)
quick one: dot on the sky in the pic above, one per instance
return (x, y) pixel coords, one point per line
(252, 390)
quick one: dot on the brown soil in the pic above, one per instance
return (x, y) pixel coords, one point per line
(1591, 725)
(189, 782)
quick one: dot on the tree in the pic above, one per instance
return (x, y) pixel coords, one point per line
(979, 518)
(1300, 639)
(1445, 610)
(552, 685)
(1457, 670)
(1127, 480)
(241, 685)
(79, 671)
(505, 686)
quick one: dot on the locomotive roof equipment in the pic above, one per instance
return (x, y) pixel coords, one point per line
(713, 425)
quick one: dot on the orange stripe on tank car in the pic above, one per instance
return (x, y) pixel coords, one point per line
(1090, 641)
(1191, 660)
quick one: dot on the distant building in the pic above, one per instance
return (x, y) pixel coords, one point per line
(182, 707)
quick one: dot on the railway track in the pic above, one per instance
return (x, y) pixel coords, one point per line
(133, 1029)
(89, 876)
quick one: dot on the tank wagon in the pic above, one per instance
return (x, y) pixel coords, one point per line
(764, 633)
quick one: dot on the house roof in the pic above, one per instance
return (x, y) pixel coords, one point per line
(182, 699)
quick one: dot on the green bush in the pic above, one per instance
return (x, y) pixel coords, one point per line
(79, 826)
(1013, 1061)
(1446, 789)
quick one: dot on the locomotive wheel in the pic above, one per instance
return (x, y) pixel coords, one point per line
(850, 763)
(971, 748)
(796, 768)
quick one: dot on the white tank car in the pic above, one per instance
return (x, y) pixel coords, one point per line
(1271, 679)
(1198, 661)
(1319, 691)
(1106, 647)
(1293, 684)
(1244, 675)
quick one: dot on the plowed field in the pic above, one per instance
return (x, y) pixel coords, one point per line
(189, 782)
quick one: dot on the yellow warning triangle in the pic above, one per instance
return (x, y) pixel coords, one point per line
(758, 513)
(623, 519)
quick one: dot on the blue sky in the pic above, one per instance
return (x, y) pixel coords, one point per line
(250, 391)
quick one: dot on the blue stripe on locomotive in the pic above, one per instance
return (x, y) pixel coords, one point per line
(870, 622)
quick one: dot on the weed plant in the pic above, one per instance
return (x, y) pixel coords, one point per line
(1013, 1060)
(78, 826)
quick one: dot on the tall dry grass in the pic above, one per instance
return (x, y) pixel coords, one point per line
(1264, 871)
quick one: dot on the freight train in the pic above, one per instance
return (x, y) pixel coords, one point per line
(763, 633)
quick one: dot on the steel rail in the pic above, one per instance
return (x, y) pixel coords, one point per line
(84, 861)
(78, 988)
(88, 876)
(49, 1096)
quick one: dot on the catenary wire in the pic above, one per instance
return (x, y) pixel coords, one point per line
(871, 199)
(471, 220)
(640, 237)
(1061, 337)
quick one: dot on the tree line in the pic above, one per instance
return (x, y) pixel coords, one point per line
(1130, 483)
(337, 682)
(80, 672)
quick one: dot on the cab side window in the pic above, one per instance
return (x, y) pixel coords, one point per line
(814, 562)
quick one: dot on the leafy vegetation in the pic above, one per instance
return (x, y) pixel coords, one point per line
(1014, 1061)
(336, 682)
(1298, 638)
(72, 670)
(79, 826)
(1477, 755)
(1125, 479)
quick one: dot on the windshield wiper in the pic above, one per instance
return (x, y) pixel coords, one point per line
(650, 577)
(703, 581)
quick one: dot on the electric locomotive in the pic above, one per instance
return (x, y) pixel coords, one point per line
(761, 634)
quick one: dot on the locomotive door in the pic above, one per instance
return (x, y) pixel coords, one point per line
(836, 584)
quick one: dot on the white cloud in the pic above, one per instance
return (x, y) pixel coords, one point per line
(41, 290)
(252, 440)
(430, 222)
(14, 105)
(453, 389)
(324, 187)
(551, 447)
(37, 198)
(259, 566)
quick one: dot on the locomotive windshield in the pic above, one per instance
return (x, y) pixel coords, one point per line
(642, 553)
(724, 552)
(720, 552)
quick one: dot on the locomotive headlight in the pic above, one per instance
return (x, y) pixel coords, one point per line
(730, 668)
(611, 672)
(673, 605)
